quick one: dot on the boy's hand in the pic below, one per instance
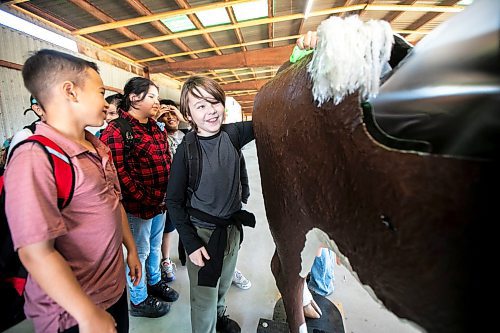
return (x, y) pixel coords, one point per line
(178, 114)
(98, 321)
(197, 256)
(135, 267)
(307, 41)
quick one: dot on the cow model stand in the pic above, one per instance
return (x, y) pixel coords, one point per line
(412, 210)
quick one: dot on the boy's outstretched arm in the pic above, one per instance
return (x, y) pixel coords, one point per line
(132, 257)
(53, 274)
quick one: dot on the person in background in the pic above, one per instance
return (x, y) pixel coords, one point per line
(321, 278)
(209, 219)
(28, 130)
(143, 171)
(111, 112)
(74, 256)
(239, 280)
(319, 281)
(169, 118)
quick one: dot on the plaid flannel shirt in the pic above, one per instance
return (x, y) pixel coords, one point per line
(144, 175)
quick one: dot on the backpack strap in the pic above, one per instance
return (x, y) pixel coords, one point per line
(62, 168)
(127, 134)
(194, 160)
(233, 136)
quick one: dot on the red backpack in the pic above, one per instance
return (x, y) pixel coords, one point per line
(12, 273)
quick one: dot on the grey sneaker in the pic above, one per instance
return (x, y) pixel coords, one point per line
(167, 270)
(240, 281)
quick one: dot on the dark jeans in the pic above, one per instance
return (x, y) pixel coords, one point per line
(119, 311)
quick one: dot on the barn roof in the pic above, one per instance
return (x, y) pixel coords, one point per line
(239, 43)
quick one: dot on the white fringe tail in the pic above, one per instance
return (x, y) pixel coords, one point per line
(349, 56)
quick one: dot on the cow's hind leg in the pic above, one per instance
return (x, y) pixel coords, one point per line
(286, 268)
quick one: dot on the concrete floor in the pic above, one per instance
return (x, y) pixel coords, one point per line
(362, 314)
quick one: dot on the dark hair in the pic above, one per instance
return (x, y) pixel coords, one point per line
(168, 102)
(114, 99)
(191, 86)
(47, 67)
(138, 86)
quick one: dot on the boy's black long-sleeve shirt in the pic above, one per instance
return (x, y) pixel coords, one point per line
(219, 191)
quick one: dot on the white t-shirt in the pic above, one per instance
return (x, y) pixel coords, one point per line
(174, 140)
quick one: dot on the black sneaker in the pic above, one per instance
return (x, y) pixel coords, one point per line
(163, 291)
(226, 325)
(151, 307)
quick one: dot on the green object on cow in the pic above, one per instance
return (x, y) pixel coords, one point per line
(298, 54)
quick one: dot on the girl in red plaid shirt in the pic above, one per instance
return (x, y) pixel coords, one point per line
(143, 169)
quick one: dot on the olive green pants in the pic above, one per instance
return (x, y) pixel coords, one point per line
(207, 302)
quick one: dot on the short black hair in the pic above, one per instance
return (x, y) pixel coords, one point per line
(47, 67)
(114, 99)
(167, 102)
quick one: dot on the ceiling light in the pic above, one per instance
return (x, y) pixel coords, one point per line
(29, 28)
(212, 17)
(250, 10)
(178, 23)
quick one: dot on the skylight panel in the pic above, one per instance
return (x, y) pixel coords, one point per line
(178, 23)
(213, 17)
(29, 28)
(250, 10)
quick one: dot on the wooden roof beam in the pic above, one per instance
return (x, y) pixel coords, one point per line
(389, 17)
(247, 85)
(237, 31)
(13, 2)
(100, 15)
(430, 16)
(270, 26)
(347, 3)
(232, 46)
(256, 58)
(272, 70)
(199, 26)
(198, 32)
(250, 79)
(245, 98)
(251, 23)
(154, 17)
(143, 10)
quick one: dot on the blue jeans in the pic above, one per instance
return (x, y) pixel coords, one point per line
(321, 281)
(148, 236)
